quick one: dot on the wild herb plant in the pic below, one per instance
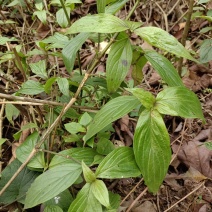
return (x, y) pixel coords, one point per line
(47, 181)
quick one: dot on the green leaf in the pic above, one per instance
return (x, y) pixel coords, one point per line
(61, 17)
(118, 63)
(152, 148)
(85, 119)
(203, 1)
(85, 201)
(11, 112)
(164, 68)
(145, 97)
(63, 200)
(74, 127)
(104, 146)
(115, 200)
(101, 6)
(100, 191)
(209, 18)
(31, 87)
(63, 86)
(208, 145)
(120, 163)
(179, 101)
(85, 154)
(88, 174)
(53, 208)
(206, 51)
(18, 188)
(115, 6)
(41, 16)
(2, 140)
(51, 183)
(163, 40)
(48, 84)
(113, 110)
(39, 69)
(24, 150)
(70, 50)
(4, 40)
(101, 23)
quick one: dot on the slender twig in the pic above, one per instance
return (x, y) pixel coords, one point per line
(185, 33)
(185, 196)
(57, 120)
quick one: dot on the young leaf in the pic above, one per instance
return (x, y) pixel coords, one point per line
(41, 15)
(39, 68)
(31, 87)
(88, 174)
(104, 146)
(164, 68)
(51, 183)
(118, 63)
(74, 127)
(61, 17)
(101, 6)
(70, 50)
(179, 101)
(85, 119)
(120, 163)
(163, 40)
(85, 201)
(206, 51)
(63, 85)
(26, 148)
(100, 191)
(85, 154)
(146, 98)
(113, 110)
(152, 148)
(101, 23)
(11, 113)
(18, 188)
(115, 6)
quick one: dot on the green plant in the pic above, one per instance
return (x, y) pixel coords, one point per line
(150, 155)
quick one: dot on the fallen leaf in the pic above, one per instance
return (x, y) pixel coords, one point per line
(144, 207)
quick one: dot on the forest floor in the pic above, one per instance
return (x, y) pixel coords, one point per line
(187, 186)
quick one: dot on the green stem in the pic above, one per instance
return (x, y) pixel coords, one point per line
(65, 11)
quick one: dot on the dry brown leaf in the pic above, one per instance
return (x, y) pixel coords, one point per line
(196, 155)
(144, 207)
(194, 174)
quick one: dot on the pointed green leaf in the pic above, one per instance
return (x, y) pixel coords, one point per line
(85, 201)
(39, 68)
(85, 154)
(61, 17)
(88, 174)
(51, 183)
(52, 208)
(63, 85)
(41, 16)
(100, 191)
(113, 110)
(163, 40)
(31, 87)
(70, 50)
(120, 163)
(118, 63)
(164, 68)
(24, 150)
(101, 23)
(74, 127)
(115, 6)
(206, 51)
(11, 113)
(104, 146)
(146, 98)
(152, 148)
(179, 101)
(18, 188)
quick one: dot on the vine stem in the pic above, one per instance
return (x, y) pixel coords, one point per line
(185, 33)
(65, 109)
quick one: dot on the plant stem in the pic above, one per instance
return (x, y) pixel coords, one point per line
(65, 11)
(185, 33)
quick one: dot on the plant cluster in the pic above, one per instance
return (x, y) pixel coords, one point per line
(41, 175)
